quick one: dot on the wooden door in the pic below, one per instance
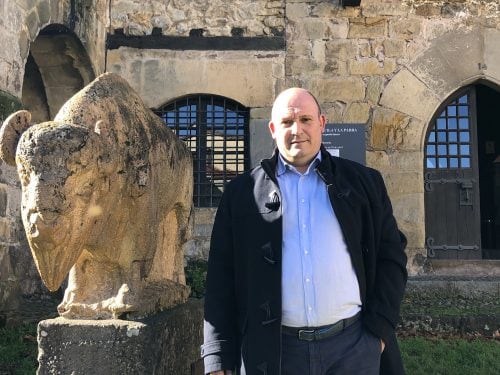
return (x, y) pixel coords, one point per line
(452, 207)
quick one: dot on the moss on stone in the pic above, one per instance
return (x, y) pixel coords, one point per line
(8, 105)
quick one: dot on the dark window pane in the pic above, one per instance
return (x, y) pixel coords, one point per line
(464, 150)
(441, 123)
(463, 123)
(464, 137)
(453, 149)
(452, 123)
(431, 162)
(441, 136)
(443, 163)
(453, 163)
(465, 162)
(431, 150)
(452, 136)
(442, 150)
(452, 110)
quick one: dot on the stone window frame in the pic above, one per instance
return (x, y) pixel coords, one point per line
(216, 130)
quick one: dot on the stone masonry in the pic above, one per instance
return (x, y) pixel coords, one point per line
(388, 64)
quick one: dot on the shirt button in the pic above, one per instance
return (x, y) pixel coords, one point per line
(306, 252)
(302, 200)
(307, 280)
(303, 226)
(309, 308)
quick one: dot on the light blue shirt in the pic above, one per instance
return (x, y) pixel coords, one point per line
(319, 284)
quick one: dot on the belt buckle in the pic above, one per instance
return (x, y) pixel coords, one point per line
(306, 334)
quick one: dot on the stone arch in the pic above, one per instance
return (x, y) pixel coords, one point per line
(57, 67)
(453, 60)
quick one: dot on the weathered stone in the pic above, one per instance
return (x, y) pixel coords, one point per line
(340, 49)
(3, 201)
(24, 44)
(166, 343)
(300, 65)
(357, 112)
(332, 10)
(297, 11)
(107, 154)
(335, 111)
(338, 88)
(43, 10)
(406, 94)
(374, 87)
(372, 66)
(374, 8)
(371, 27)
(428, 10)
(453, 58)
(394, 47)
(260, 113)
(33, 24)
(388, 129)
(491, 53)
(404, 28)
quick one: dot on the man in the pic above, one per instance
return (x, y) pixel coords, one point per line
(306, 269)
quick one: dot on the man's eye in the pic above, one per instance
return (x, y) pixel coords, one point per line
(287, 122)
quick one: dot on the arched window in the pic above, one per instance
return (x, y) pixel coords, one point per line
(216, 131)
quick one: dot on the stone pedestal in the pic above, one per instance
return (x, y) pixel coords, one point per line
(166, 343)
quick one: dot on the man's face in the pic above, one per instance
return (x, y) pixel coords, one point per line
(297, 127)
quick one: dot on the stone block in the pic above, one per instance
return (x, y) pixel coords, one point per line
(340, 49)
(374, 8)
(405, 28)
(394, 47)
(407, 94)
(261, 143)
(492, 53)
(367, 27)
(449, 60)
(333, 89)
(312, 28)
(3, 201)
(428, 10)
(260, 113)
(296, 11)
(43, 10)
(33, 24)
(374, 87)
(388, 129)
(332, 10)
(24, 44)
(372, 66)
(300, 65)
(204, 215)
(298, 48)
(166, 343)
(357, 112)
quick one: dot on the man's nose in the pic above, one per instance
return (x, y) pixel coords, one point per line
(296, 127)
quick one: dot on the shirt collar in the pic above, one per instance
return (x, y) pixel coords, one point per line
(284, 166)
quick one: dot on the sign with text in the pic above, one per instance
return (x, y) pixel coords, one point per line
(346, 141)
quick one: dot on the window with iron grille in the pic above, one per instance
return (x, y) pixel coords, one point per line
(215, 129)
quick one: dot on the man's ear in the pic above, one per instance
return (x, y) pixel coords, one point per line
(322, 121)
(272, 129)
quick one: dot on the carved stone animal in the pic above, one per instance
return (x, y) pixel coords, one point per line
(107, 197)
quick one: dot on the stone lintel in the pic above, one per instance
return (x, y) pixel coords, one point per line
(165, 343)
(220, 43)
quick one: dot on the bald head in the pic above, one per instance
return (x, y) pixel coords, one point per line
(296, 126)
(298, 92)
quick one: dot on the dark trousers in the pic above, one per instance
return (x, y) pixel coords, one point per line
(354, 351)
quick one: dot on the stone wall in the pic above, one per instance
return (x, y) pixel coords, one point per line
(388, 64)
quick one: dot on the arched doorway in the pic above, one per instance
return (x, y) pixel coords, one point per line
(57, 67)
(462, 176)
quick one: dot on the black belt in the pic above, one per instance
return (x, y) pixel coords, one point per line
(319, 333)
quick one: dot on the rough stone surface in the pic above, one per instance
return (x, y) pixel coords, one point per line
(83, 177)
(165, 343)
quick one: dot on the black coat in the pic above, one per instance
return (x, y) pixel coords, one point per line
(243, 291)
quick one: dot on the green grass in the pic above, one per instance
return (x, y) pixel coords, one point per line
(455, 357)
(422, 356)
(18, 350)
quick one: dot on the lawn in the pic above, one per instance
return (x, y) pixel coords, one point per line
(422, 356)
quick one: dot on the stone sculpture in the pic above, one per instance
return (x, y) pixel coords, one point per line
(107, 197)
